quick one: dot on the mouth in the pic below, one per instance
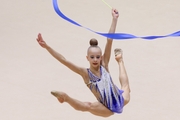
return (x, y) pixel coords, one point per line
(95, 63)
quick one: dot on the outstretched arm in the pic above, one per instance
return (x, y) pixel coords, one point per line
(107, 51)
(59, 57)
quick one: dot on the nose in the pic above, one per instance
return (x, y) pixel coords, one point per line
(95, 59)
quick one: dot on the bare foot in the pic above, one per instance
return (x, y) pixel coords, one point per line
(59, 95)
(118, 55)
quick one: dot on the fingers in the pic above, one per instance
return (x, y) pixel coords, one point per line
(115, 13)
(39, 38)
(39, 35)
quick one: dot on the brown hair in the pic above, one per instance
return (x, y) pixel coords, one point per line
(93, 42)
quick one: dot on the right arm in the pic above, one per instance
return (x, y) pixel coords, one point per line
(107, 51)
(60, 58)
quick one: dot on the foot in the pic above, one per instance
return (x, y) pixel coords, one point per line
(118, 55)
(61, 96)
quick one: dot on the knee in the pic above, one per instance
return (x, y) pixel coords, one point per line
(108, 114)
(85, 107)
(126, 99)
(100, 110)
(88, 106)
(126, 96)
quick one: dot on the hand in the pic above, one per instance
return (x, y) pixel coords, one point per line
(115, 13)
(41, 42)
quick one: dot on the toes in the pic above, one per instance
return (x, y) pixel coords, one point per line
(54, 93)
(117, 51)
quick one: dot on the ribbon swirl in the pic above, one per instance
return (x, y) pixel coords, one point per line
(118, 36)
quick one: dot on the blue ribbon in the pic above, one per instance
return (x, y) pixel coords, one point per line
(119, 36)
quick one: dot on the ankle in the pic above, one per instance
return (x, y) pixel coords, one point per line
(120, 62)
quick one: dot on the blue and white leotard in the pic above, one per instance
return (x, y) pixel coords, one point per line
(106, 91)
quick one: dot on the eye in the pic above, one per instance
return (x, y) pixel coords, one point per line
(97, 57)
(91, 57)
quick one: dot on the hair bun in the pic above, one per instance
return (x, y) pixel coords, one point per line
(93, 42)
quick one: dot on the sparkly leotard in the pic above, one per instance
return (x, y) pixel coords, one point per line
(106, 91)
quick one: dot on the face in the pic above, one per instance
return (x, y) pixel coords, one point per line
(94, 56)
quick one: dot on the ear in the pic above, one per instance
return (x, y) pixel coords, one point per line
(87, 58)
(101, 57)
(102, 63)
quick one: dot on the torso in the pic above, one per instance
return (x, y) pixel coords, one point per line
(105, 91)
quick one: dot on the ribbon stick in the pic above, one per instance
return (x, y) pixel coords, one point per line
(117, 36)
(107, 4)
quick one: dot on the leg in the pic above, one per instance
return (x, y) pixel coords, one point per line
(94, 108)
(123, 78)
(99, 109)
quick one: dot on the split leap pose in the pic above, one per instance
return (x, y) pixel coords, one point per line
(110, 99)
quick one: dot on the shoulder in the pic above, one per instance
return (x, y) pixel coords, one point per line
(84, 71)
(105, 66)
(84, 74)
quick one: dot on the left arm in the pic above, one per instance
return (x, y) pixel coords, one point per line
(107, 51)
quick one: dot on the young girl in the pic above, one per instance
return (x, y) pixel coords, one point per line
(97, 77)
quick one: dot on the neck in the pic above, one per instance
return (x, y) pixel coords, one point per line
(95, 68)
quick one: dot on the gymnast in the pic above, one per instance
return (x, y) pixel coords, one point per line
(110, 99)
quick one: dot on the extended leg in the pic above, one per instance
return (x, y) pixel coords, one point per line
(123, 78)
(94, 108)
